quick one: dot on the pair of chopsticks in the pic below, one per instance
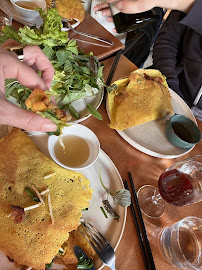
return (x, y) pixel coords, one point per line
(142, 234)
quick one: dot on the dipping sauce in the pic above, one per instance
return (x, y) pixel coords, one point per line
(75, 153)
(183, 132)
(27, 5)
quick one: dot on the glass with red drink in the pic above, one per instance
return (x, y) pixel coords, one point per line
(180, 185)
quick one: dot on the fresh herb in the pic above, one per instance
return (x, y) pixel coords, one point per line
(121, 197)
(49, 266)
(103, 211)
(94, 113)
(84, 263)
(110, 210)
(76, 74)
(31, 193)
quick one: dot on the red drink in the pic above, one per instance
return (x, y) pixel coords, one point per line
(176, 188)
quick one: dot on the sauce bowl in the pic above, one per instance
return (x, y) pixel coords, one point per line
(82, 133)
(182, 132)
(28, 13)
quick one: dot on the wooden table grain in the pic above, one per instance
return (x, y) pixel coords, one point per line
(145, 170)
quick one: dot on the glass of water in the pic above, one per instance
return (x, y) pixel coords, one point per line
(181, 243)
(5, 18)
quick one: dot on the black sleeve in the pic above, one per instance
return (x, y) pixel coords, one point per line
(166, 49)
(193, 18)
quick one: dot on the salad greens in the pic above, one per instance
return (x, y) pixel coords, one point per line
(84, 263)
(77, 75)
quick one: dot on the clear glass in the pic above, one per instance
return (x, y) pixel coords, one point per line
(5, 18)
(181, 243)
(180, 185)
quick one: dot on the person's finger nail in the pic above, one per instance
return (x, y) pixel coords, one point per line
(95, 8)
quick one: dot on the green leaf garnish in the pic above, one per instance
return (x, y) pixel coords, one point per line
(94, 113)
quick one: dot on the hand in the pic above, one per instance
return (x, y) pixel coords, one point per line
(137, 6)
(11, 67)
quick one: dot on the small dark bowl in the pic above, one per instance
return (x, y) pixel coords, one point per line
(182, 132)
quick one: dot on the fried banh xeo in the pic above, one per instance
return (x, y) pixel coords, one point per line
(142, 97)
(70, 9)
(36, 239)
(75, 239)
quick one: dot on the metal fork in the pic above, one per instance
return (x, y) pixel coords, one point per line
(100, 245)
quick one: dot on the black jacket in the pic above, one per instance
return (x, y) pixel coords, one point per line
(178, 52)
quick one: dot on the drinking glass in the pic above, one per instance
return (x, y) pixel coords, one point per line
(5, 18)
(180, 185)
(181, 243)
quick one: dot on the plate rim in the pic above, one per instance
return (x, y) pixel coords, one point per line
(146, 150)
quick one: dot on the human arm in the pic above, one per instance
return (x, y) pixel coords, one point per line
(137, 6)
(166, 49)
(11, 67)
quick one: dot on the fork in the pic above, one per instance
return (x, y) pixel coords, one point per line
(100, 245)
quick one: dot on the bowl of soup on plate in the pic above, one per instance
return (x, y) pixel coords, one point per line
(77, 148)
(26, 8)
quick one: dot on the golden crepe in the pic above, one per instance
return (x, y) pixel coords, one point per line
(70, 9)
(69, 258)
(142, 97)
(35, 238)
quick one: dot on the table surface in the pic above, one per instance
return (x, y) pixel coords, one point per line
(145, 170)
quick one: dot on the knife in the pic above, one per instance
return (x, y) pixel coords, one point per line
(79, 252)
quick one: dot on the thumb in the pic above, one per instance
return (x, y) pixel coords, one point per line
(13, 116)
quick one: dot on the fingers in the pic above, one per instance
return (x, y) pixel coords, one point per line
(10, 67)
(33, 55)
(135, 6)
(14, 116)
(101, 6)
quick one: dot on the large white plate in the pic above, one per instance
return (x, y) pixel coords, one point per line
(109, 227)
(37, 21)
(150, 137)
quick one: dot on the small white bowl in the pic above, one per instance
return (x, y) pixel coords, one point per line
(28, 13)
(82, 132)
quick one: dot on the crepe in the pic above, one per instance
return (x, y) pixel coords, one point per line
(142, 97)
(69, 258)
(70, 9)
(35, 240)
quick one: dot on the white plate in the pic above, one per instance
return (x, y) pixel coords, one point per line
(150, 137)
(109, 227)
(80, 105)
(37, 21)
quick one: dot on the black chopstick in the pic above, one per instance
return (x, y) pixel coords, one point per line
(138, 230)
(148, 248)
(113, 68)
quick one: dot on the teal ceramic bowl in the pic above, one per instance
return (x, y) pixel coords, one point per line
(182, 132)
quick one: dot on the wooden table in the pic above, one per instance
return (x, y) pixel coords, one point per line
(146, 170)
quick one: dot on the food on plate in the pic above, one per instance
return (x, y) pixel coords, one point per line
(142, 97)
(78, 76)
(39, 102)
(69, 258)
(70, 9)
(40, 202)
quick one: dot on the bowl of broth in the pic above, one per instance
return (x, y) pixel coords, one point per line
(76, 148)
(26, 8)
(182, 132)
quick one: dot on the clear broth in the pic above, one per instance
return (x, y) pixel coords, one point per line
(27, 5)
(76, 151)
